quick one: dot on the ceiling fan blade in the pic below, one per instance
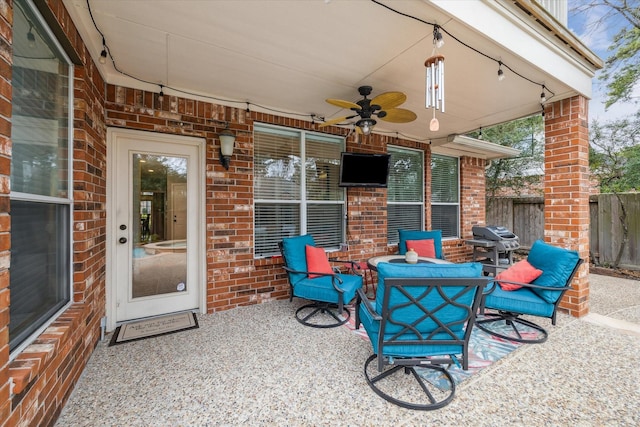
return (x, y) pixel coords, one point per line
(343, 104)
(389, 100)
(399, 115)
(334, 121)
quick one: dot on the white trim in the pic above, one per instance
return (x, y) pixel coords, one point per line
(112, 134)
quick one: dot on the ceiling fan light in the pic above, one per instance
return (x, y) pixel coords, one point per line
(366, 125)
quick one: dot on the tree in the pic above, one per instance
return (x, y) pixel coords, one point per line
(614, 160)
(517, 173)
(622, 69)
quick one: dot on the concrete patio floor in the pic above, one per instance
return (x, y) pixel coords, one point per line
(258, 366)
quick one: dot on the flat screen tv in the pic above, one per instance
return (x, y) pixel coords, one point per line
(364, 170)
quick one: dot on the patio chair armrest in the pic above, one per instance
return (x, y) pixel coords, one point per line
(528, 285)
(334, 276)
(362, 299)
(488, 289)
(351, 265)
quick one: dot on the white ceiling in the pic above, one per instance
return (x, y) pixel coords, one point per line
(291, 55)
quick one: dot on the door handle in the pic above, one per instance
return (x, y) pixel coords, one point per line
(122, 240)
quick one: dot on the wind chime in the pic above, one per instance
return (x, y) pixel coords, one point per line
(435, 80)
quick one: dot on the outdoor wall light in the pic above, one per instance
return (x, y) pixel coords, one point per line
(227, 139)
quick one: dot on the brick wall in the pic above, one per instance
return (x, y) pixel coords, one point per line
(567, 188)
(6, 21)
(45, 373)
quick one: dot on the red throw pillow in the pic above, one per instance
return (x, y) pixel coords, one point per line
(317, 261)
(425, 247)
(521, 271)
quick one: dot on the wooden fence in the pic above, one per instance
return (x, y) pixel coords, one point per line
(524, 216)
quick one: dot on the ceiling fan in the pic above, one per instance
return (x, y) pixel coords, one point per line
(382, 107)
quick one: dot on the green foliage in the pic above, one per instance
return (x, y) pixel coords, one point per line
(519, 173)
(614, 154)
(622, 71)
(622, 68)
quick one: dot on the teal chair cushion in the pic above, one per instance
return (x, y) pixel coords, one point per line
(556, 264)
(524, 300)
(385, 269)
(293, 250)
(321, 288)
(446, 315)
(405, 235)
(372, 327)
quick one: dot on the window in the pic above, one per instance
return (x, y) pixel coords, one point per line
(405, 193)
(41, 126)
(445, 195)
(296, 188)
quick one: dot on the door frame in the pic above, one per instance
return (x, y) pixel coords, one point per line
(111, 233)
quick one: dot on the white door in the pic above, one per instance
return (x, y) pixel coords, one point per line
(155, 227)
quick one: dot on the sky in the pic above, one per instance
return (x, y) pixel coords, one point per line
(598, 38)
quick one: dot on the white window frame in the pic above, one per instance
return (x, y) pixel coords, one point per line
(302, 202)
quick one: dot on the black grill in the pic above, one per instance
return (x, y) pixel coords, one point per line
(493, 245)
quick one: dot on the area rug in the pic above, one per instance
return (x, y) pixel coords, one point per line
(153, 327)
(484, 350)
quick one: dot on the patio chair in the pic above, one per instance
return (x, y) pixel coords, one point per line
(420, 324)
(533, 287)
(312, 278)
(420, 239)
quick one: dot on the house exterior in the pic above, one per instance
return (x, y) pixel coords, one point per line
(71, 217)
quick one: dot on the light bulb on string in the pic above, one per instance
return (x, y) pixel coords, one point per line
(543, 96)
(501, 75)
(438, 41)
(31, 38)
(103, 54)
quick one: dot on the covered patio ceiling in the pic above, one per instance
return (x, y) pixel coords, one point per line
(287, 57)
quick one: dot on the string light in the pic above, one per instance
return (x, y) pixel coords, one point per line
(437, 37)
(500, 72)
(31, 38)
(161, 94)
(438, 43)
(440, 29)
(103, 54)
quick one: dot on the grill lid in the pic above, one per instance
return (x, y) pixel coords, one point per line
(492, 232)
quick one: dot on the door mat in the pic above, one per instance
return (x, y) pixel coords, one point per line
(154, 327)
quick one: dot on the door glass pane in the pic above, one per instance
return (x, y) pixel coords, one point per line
(159, 212)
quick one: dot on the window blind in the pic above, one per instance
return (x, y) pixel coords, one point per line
(296, 188)
(405, 193)
(445, 199)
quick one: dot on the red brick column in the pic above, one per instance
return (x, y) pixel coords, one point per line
(6, 21)
(566, 190)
